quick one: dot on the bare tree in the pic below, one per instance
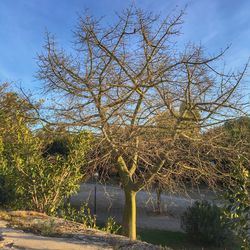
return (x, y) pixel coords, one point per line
(120, 78)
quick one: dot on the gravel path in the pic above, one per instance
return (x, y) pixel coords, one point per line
(110, 200)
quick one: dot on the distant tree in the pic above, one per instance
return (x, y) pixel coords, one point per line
(232, 136)
(237, 134)
(238, 128)
(120, 78)
(168, 128)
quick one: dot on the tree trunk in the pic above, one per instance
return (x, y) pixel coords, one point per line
(129, 214)
(158, 192)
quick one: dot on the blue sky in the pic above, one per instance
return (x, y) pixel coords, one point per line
(212, 23)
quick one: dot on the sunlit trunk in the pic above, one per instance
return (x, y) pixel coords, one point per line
(129, 214)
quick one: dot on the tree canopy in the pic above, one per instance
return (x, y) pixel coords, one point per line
(122, 76)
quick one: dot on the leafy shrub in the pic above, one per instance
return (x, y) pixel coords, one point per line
(29, 178)
(41, 183)
(237, 207)
(202, 222)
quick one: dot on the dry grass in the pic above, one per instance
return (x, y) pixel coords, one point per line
(42, 224)
(4, 215)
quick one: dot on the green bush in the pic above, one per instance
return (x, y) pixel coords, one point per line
(237, 205)
(39, 182)
(202, 222)
(39, 168)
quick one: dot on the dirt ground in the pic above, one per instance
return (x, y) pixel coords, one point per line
(29, 230)
(17, 239)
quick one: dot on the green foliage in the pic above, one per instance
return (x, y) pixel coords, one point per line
(237, 210)
(42, 183)
(6, 193)
(13, 125)
(82, 215)
(111, 226)
(28, 178)
(236, 134)
(202, 223)
(238, 129)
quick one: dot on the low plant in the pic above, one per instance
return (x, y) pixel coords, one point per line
(202, 222)
(82, 215)
(46, 228)
(31, 222)
(111, 226)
